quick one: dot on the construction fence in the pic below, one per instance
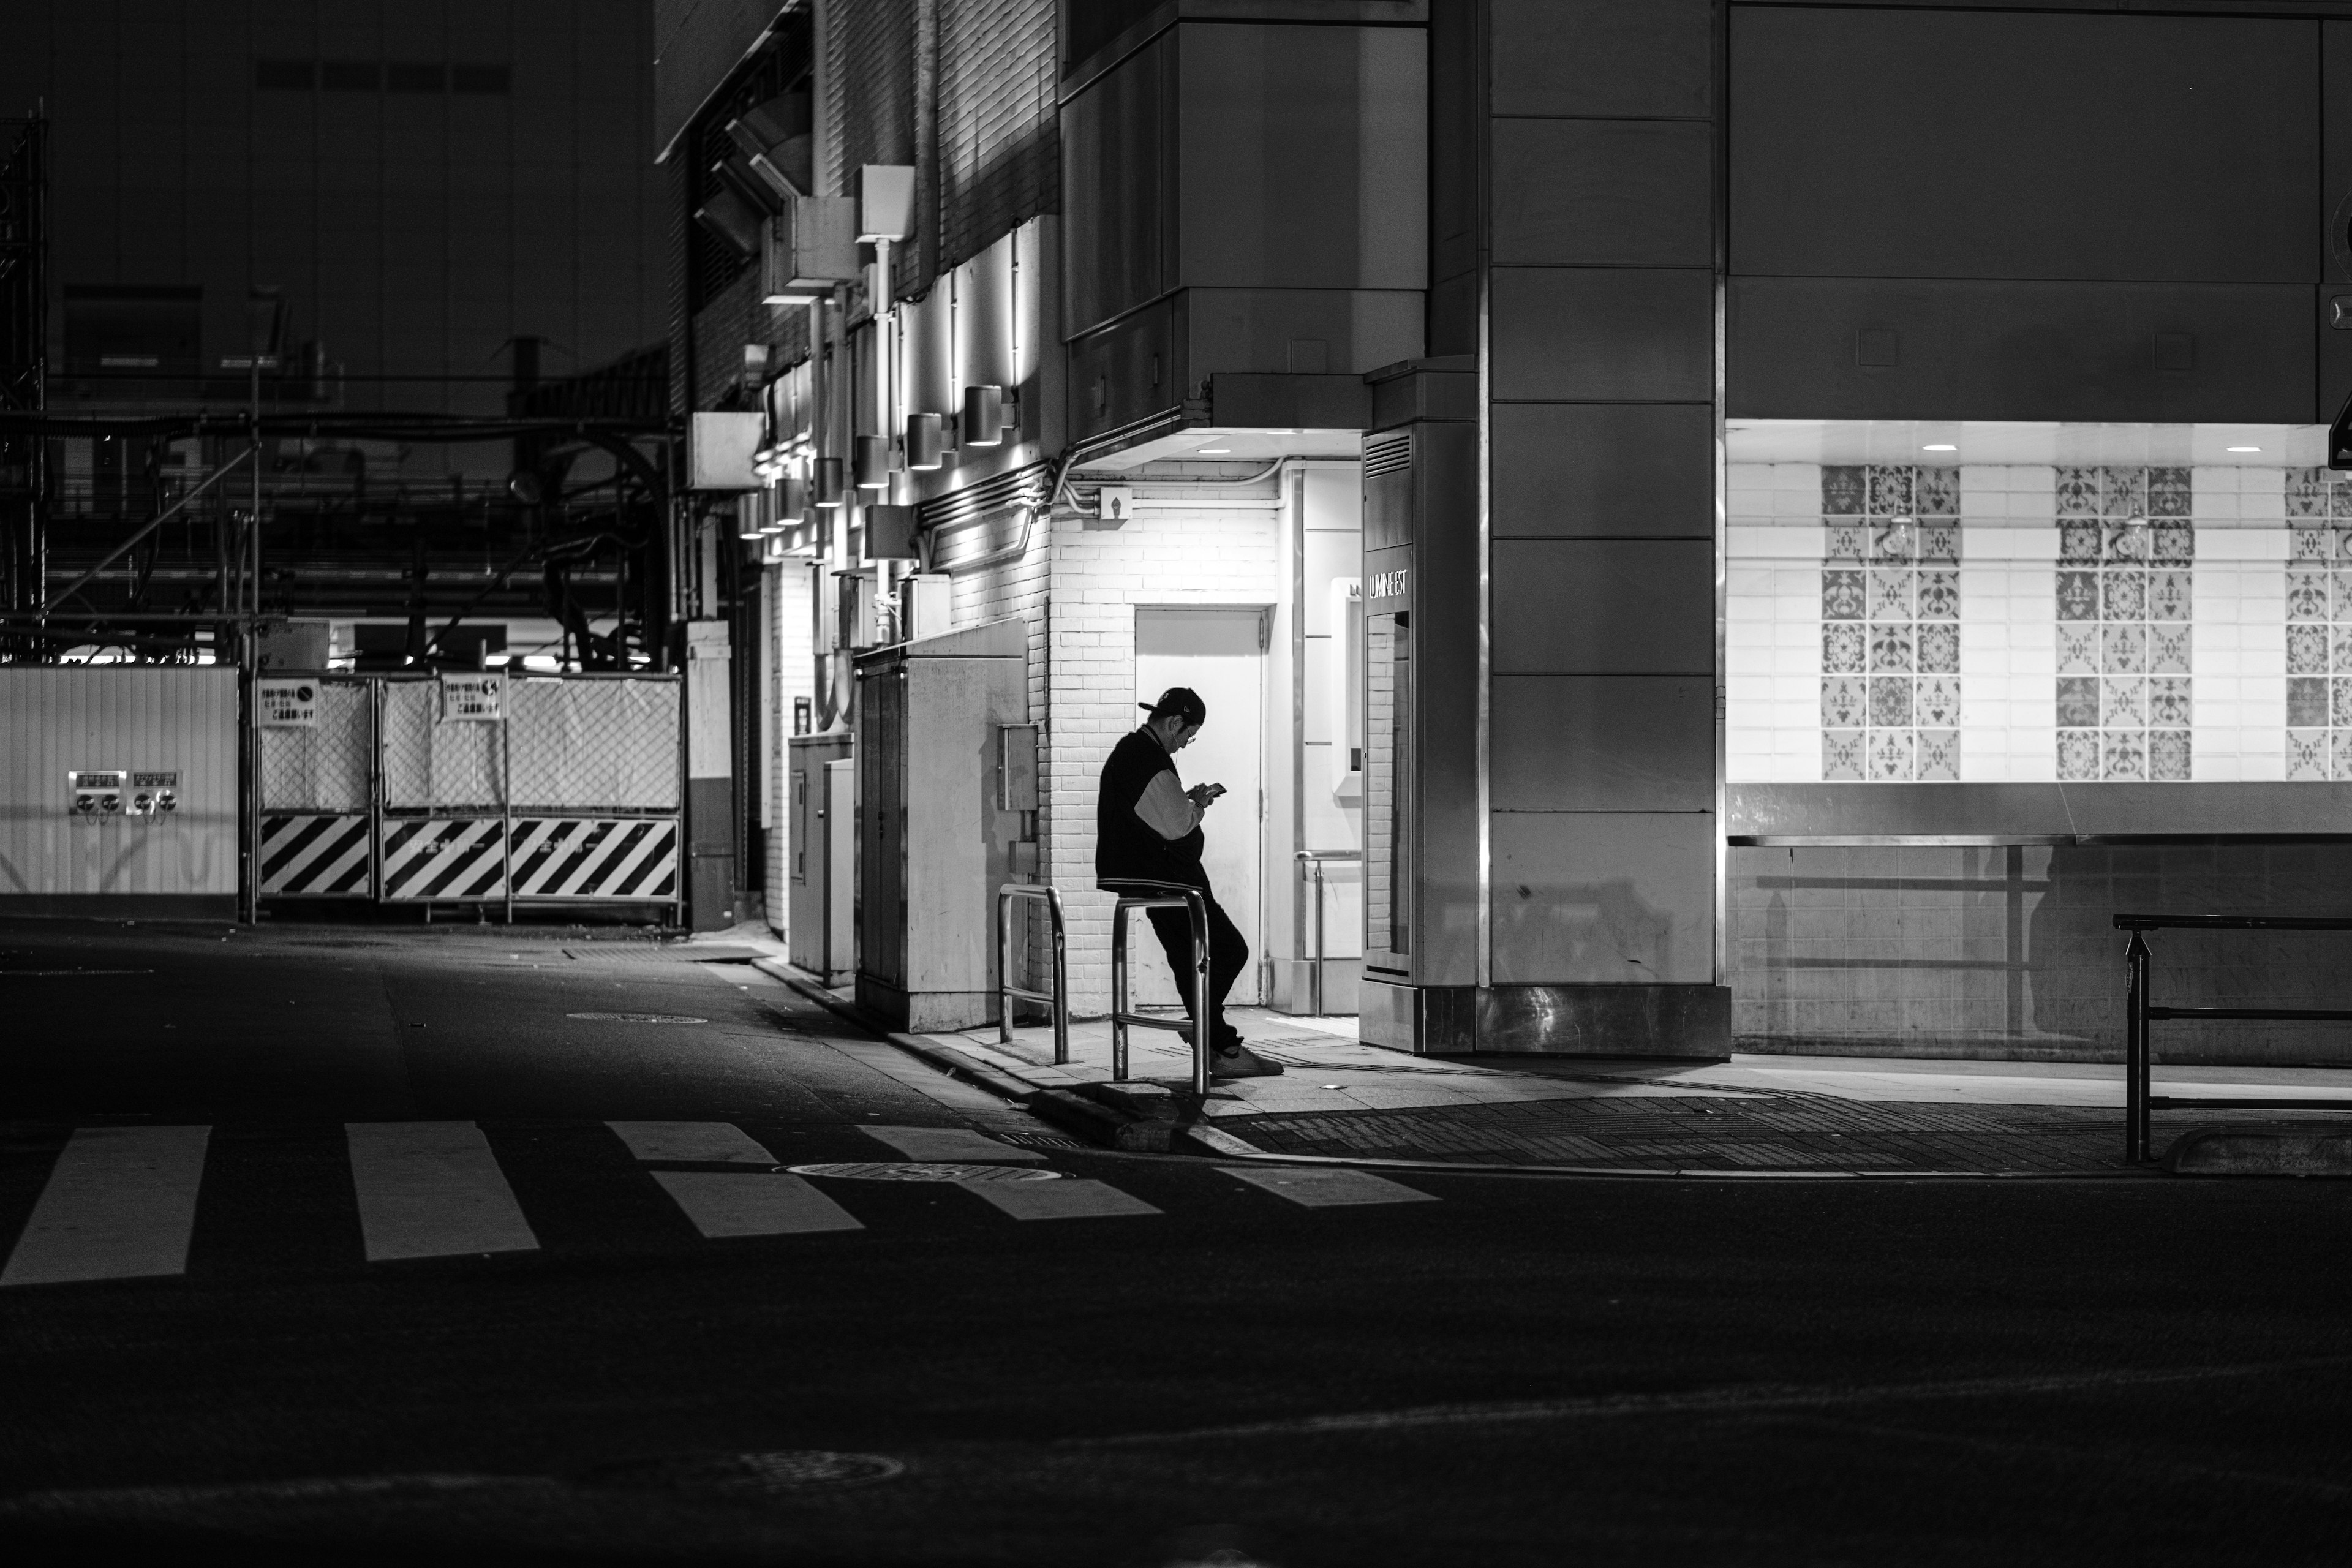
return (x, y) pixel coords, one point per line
(470, 787)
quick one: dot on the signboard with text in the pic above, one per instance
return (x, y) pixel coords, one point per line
(473, 696)
(286, 704)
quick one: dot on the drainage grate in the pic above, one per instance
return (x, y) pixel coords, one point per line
(638, 1017)
(911, 1171)
(753, 1474)
(1042, 1141)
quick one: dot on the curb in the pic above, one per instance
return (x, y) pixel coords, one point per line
(1125, 1131)
(2227, 1150)
(946, 1058)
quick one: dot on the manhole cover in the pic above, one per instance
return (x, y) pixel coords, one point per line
(913, 1171)
(638, 1017)
(753, 1475)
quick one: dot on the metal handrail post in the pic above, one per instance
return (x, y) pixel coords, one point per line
(1119, 914)
(1318, 938)
(1196, 908)
(1059, 1001)
(1061, 980)
(2135, 1051)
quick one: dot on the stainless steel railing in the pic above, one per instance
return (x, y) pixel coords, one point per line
(1006, 992)
(1313, 860)
(1161, 895)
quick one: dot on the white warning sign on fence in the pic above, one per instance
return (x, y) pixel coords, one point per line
(473, 696)
(286, 704)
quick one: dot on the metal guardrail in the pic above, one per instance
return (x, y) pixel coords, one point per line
(2140, 1012)
(1059, 1001)
(1314, 859)
(1168, 896)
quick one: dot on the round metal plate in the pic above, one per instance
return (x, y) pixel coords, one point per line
(637, 1018)
(924, 1170)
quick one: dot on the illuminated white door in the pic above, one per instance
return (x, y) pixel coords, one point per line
(1221, 654)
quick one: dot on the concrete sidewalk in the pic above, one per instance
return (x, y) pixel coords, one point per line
(1338, 1098)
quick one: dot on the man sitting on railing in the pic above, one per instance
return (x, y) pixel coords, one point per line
(1147, 828)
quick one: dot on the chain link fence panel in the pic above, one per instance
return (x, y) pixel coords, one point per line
(325, 767)
(430, 764)
(594, 745)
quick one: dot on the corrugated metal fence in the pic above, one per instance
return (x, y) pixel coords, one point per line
(566, 788)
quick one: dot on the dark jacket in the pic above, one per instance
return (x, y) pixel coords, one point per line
(1127, 847)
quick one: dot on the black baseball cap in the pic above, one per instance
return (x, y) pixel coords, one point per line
(1179, 700)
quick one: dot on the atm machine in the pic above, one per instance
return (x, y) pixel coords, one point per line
(1419, 664)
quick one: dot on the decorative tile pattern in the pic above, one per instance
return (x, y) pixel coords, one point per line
(2318, 626)
(2125, 552)
(1890, 623)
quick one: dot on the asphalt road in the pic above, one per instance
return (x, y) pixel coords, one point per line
(1464, 1370)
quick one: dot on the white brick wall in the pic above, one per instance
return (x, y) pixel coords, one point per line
(1078, 590)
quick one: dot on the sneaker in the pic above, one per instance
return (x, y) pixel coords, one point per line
(1242, 1062)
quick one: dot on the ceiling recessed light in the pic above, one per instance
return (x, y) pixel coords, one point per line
(2245, 449)
(1939, 447)
(1213, 452)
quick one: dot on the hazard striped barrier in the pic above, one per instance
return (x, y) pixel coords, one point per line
(314, 856)
(439, 857)
(595, 857)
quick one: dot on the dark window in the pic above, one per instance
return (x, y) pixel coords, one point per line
(352, 76)
(414, 77)
(480, 79)
(282, 75)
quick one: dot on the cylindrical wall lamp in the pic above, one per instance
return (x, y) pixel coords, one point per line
(792, 501)
(926, 440)
(983, 416)
(825, 488)
(873, 464)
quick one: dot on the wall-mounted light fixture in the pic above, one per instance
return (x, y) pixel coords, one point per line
(825, 485)
(926, 441)
(985, 416)
(872, 463)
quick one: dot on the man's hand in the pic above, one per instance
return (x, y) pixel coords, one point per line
(1202, 796)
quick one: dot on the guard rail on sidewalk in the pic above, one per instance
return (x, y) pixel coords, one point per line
(1006, 991)
(2140, 1012)
(1164, 896)
(1314, 859)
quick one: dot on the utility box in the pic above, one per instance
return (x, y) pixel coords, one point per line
(821, 844)
(934, 839)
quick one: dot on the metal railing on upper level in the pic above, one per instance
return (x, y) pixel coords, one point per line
(1058, 1001)
(2141, 1011)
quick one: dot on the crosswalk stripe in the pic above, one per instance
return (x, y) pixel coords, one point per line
(693, 1143)
(1073, 1198)
(752, 1203)
(119, 1204)
(1321, 1189)
(432, 1189)
(948, 1143)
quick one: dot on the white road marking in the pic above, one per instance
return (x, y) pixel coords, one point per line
(1073, 1198)
(748, 1203)
(947, 1144)
(1326, 1188)
(697, 1142)
(119, 1204)
(432, 1189)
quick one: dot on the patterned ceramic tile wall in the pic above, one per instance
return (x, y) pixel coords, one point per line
(2124, 588)
(2319, 625)
(2157, 649)
(1890, 624)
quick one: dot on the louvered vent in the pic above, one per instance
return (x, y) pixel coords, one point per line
(1387, 454)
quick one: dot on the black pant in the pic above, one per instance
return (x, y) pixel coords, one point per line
(1228, 956)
